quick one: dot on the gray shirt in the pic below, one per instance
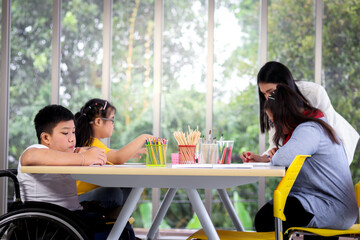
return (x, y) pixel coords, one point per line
(59, 189)
(324, 185)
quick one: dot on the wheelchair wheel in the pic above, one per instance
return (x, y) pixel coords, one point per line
(36, 224)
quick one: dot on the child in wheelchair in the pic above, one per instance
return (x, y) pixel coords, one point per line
(55, 130)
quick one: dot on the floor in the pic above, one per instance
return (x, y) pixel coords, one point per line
(166, 234)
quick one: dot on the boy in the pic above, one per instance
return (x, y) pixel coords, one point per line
(55, 130)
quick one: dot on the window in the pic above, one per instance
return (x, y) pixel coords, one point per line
(81, 52)
(30, 71)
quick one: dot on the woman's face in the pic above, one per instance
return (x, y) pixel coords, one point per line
(267, 88)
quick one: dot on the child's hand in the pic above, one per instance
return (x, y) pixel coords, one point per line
(93, 155)
(252, 157)
(272, 152)
(138, 153)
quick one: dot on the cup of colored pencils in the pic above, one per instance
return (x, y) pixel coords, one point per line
(187, 145)
(225, 151)
(156, 152)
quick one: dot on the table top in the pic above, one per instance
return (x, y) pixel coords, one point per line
(141, 169)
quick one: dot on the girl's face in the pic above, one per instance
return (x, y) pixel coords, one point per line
(108, 123)
(267, 88)
(270, 116)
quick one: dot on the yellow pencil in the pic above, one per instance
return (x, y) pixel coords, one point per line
(110, 163)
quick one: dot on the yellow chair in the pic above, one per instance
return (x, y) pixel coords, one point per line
(280, 195)
(354, 231)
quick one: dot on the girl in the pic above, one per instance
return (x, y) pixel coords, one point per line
(95, 121)
(273, 73)
(323, 194)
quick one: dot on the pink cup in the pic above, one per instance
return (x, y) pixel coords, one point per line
(175, 158)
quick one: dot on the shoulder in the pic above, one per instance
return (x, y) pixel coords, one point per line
(309, 128)
(309, 87)
(36, 146)
(97, 143)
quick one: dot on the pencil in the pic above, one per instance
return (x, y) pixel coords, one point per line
(110, 163)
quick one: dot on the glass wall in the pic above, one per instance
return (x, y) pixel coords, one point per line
(132, 69)
(291, 36)
(183, 90)
(341, 68)
(30, 71)
(132, 82)
(236, 38)
(81, 52)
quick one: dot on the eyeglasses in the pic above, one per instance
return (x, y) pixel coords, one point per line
(109, 119)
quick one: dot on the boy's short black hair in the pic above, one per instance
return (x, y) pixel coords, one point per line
(48, 117)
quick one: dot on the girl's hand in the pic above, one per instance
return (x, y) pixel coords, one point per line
(137, 154)
(272, 152)
(252, 157)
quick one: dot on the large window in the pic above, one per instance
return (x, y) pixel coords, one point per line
(341, 69)
(291, 36)
(81, 52)
(30, 71)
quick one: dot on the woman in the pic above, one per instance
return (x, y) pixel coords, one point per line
(273, 73)
(323, 194)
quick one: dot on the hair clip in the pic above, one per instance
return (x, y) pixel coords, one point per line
(271, 97)
(104, 107)
(84, 114)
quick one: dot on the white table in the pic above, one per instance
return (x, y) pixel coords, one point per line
(139, 177)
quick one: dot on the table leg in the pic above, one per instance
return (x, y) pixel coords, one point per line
(230, 209)
(125, 213)
(161, 213)
(202, 214)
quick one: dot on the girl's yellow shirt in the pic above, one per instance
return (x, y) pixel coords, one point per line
(83, 187)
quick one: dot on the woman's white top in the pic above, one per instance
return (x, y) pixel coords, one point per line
(317, 97)
(59, 189)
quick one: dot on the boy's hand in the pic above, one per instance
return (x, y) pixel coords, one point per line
(93, 155)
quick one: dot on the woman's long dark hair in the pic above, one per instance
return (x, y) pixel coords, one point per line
(273, 72)
(94, 108)
(287, 109)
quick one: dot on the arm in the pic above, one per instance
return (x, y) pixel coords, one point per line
(50, 157)
(123, 155)
(304, 140)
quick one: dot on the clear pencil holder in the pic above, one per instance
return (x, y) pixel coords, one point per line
(225, 151)
(209, 153)
(156, 155)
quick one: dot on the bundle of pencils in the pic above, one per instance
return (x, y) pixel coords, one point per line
(187, 143)
(191, 138)
(156, 151)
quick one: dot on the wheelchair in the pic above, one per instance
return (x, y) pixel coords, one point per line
(40, 220)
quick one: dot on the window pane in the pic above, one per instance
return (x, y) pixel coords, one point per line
(132, 70)
(183, 83)
(30, 71)
(291, 36)
(81, 52)
(235, 95)
(341, 69)
(132, 82)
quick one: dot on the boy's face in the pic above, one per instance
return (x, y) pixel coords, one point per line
(62, 138)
